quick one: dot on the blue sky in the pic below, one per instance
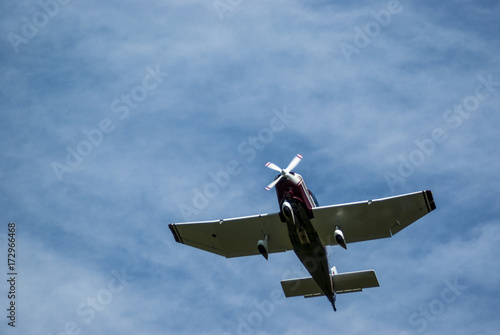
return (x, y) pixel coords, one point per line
(116, 116)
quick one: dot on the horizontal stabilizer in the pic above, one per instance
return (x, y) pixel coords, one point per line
(342, 283)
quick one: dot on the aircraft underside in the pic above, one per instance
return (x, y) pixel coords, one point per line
(308, 248)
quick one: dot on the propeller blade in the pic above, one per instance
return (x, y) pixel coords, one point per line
(284, 173)
(273, 166)
(295, 161)
(270, 186)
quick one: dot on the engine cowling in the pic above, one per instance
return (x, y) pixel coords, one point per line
(339, 237)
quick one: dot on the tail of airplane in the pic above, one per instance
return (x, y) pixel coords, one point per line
(342, 283)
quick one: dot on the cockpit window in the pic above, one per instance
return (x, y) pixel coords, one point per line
(314, 198)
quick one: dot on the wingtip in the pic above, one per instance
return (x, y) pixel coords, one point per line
(176, 234)
(431, 205)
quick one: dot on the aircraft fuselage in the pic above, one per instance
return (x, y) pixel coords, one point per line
(296, 204)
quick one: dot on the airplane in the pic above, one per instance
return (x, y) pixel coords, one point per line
(306, 228)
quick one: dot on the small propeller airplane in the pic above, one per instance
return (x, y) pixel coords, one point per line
(304, 227)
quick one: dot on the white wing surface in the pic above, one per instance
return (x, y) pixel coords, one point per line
(234, 237)
(372, 219)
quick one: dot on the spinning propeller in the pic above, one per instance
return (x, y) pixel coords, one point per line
(284, 172)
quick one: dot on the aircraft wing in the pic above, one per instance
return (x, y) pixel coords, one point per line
(372, 219)
(234, 237)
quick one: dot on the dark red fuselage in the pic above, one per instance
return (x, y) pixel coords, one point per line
(296, 190)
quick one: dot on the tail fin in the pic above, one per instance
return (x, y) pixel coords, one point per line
(342, 283)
